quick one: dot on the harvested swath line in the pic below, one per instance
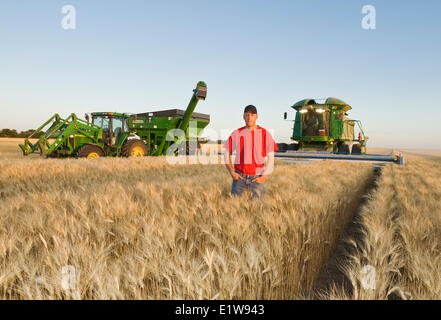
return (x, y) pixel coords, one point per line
(401, 237)
(332, 276)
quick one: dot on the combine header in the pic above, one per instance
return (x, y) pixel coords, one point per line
(120, 134)
(322, 131)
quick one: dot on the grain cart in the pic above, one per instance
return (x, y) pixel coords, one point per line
(323, 131)
(122, 134)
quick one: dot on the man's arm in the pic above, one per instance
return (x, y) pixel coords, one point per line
(229, 166)
(268, 168)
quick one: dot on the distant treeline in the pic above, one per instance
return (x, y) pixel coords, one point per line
(12, 133)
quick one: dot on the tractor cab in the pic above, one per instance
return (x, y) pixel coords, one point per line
(114, 125)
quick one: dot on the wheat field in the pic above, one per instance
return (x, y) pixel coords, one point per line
(144, 229)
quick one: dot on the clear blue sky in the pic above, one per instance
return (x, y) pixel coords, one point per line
(137, 56)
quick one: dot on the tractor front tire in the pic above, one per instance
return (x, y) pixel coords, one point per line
(356, 148)
(90, 151)
(53, 154)
(134, 148)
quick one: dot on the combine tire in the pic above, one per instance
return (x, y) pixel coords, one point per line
(90, 151)
(293, 146)
(282, 146)
(356, 149)
(134, 148)
(343, 148)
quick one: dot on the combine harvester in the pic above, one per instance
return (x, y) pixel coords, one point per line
(120, 134)
(322, 131)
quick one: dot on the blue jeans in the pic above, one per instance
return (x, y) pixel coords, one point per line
(240, 185)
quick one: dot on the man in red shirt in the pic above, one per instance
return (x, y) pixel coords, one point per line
(252, 145)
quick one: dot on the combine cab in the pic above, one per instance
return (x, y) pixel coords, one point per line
(326, 127)
(323, 131)
(120, 134)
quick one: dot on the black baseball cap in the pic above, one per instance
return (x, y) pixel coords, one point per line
(251, 109)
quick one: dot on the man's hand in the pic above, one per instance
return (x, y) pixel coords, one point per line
(229, 166)
(268, 168)
(260, 179)
(235, 175)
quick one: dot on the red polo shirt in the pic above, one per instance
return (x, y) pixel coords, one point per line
(251, 147)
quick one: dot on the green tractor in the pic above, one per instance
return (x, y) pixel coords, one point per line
(325, 127)
(120, 134)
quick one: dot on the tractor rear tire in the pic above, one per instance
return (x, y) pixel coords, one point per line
(134, 148)
(343, 148)
(90, 151)
(356, 148)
